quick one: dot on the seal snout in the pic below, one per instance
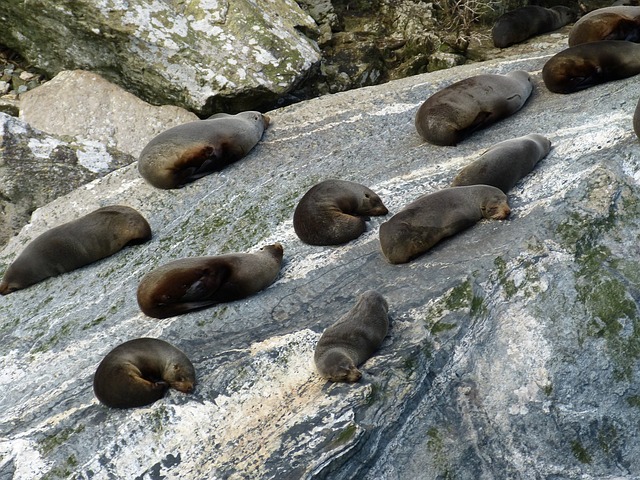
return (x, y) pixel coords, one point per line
(277, 250)
(184, 387)
(379, 210)
(501, 212)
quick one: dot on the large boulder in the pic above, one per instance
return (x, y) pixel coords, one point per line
(205, 56)
(85, 105)
(513, 347)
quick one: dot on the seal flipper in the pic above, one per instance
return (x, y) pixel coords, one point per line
(205, 285)
(196, 163)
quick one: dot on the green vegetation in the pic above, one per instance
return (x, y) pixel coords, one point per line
(603, 280)
(509, 286)
(63, 471)
(580, 452)
(460, 297)
(95, 322)
(53, 340)
(608, 438)
(634, 401)
(345, 435)
(48, 444)
(437, 448)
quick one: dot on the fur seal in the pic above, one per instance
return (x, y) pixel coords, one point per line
(589, 64)
(352, 339)
(140, 371)
(505, 163)
(330, 213)
(455, 112)
(636, 120)
(435, 216)
(75, 244)
(194, 283)
(610, 23)
(190, 151)
(522, 23)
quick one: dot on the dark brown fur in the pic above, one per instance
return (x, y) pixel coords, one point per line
(590, 64)
(140, 371)
(331, 212)
(610, 23)
(432, 217)
(522, 23)
(353, 339)
(191, 284)
(505, 163)
(190, 151)
(72, 245)
(455, 112)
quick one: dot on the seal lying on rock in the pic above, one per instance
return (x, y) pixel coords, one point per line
(72, 245)
(190, 151)
(352, 339)
(455, 112)
(330, 213)
(522, 23)
(589, 64)
(505, 163)
(609, 23)
(140, 371)
(195, 283)
(432, 217)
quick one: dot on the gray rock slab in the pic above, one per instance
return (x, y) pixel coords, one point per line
(36, 168)
(85, 105)
(206, 56)
(513, 348)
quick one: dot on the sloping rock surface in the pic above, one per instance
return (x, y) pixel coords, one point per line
(513, 349)
(204, 55)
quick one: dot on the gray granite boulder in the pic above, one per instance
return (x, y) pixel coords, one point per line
(206, 56)
(84, 105)
(513, 348)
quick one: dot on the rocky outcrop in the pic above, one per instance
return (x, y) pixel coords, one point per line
(85, 105)
(204, 56)
(37, 168)
(72, 130)
(513, 348)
